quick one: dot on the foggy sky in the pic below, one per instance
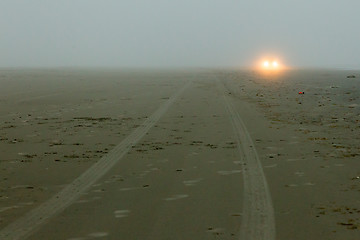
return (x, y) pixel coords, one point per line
(178, 33)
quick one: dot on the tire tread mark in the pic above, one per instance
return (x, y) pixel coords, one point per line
(31, 221)
(258, 222)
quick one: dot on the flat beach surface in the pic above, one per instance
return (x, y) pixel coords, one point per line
(205, 154)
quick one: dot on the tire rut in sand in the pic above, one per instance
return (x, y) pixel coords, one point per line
(258, 222)
(27, 224)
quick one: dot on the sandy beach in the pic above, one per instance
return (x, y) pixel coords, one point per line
(200, 154)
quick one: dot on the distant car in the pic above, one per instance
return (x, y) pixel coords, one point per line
(270, 64)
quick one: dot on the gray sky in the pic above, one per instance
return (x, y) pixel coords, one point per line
(178, 33)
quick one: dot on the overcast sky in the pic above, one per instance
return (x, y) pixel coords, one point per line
(178, 33)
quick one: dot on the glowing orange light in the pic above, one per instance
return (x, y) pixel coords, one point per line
(271, 65)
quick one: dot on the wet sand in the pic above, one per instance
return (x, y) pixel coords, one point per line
(185, 178)
(309, 148)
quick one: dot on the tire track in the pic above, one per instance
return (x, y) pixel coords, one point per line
(258, 221)
(30, 222)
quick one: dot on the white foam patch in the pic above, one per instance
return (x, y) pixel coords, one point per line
(98, 190)
(309, 184)
(272, 148)
(225, 173)
(114, 178)
(271, 166)
(22, 186)
(176, 197)
(294, 159)
(128, 189)
(88, 200)
(83, 201)
(216, 230)
(192, 182)
(8, 208)
(163, 160)
(98, 234)
(27, 203)
(121, 213)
